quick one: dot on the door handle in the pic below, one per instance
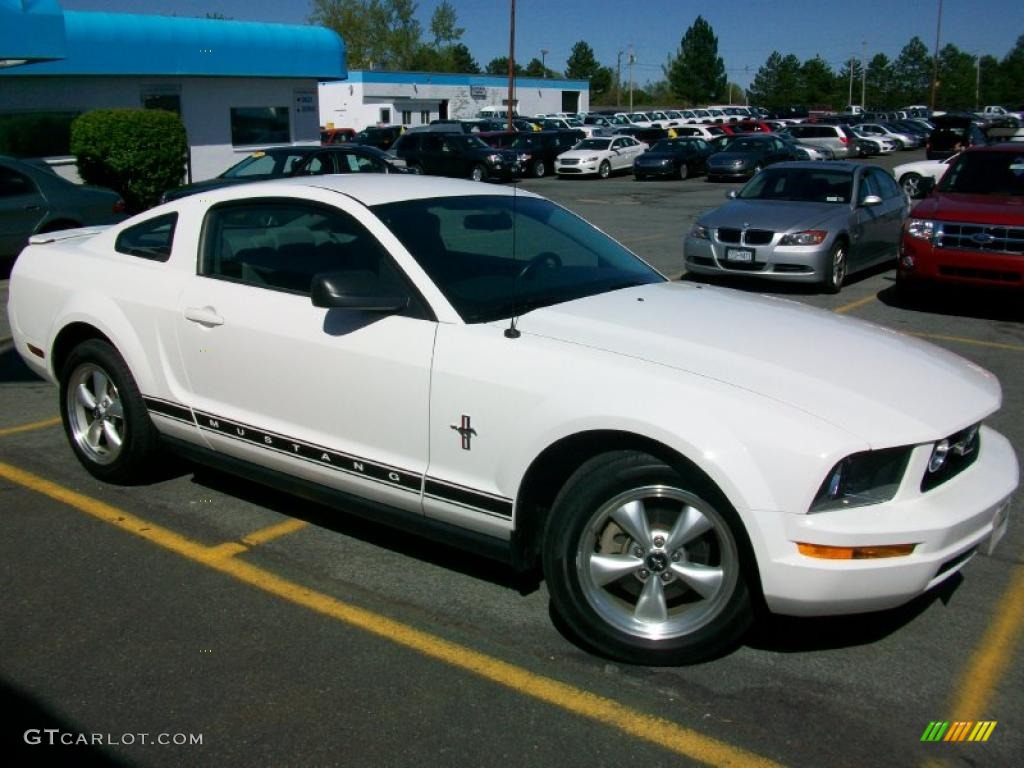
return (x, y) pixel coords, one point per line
(204, 316)
(33, 207)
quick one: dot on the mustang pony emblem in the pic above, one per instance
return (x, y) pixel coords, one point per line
(466, 430)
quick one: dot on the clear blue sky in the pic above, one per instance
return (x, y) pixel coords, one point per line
(747, 30)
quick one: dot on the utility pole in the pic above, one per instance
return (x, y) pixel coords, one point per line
(632, 59)
(543, 62)
(863, 72)
(977, 84)
(511, 66)
(849, 99)
(618, 80)
(935, 59)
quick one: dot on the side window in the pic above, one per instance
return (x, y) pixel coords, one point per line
(353, 163)
(13, 183)
(318, 165)
(282, 245)
(867, 187)
(431, 144)
(885, 183)
(152, 239)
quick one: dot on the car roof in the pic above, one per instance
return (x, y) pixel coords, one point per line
(370, 189)
(1009, 146)
(832, 165)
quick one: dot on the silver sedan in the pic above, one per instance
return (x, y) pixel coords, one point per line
(802, 222)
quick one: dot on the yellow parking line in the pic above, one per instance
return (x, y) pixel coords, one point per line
(994, 653)
(855, 304)
(963, 340)
(272, 532)
(30, 427)
(655, 730)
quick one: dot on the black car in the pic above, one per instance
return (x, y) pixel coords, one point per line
(673, 158)
(744, 156)
(537, 150)
(455, 154)
(382, 136)
(280, 162)
(952, 134)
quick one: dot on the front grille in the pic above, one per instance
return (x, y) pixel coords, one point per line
(793, 268)
(981, 237)
(570, 161)
(702, 261)
(963, 448)
(742, 266)
(746, 236)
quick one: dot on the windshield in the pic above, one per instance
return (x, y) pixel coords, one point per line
(672, 145)
(741, 144)
(471, 142)
(497, 256)
(574, 122)
(593, 144)
(264, 164)
(986, 173)
(805, 185)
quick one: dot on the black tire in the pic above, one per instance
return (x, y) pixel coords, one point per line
(538, 169)
(639, 177)
(835, 269)
(416, 168)
(118, 404)
(649, 612)
(604, 170)
(684, 172)
(479, 173)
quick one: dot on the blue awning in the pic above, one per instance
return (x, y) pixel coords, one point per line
(30, 31)
(133, 44)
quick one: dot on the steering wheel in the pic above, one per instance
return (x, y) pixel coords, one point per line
(548, 259)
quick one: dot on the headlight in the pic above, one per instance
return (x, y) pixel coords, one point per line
(700, 232)
(494, 158)
(870, 477)
(922, 229)
(592, 159)
(807, 237)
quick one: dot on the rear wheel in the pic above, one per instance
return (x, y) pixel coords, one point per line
(644, 563)
(835, 269)
(104, 415)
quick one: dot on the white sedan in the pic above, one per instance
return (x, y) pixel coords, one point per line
(910, 175)
(487, 368)
(601, 156)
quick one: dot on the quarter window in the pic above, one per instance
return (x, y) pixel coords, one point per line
(152, 239)
(13, 184)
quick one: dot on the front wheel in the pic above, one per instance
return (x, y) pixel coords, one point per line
(539, 169)
(911, 183)
(835, 269)
(604, 170)
(684, 172)
(104, 416)
(644, 563)
(479, 173)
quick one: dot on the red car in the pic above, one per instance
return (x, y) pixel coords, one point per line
(970, 229)
(336, 136)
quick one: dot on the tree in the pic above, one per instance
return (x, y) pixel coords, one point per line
(442, 25)
(912, 74)
(777, 82)
(818, 83)
(880, 87)
(956, 78)
(462, 60)
(536, 68)
(1011, 76)
(697, 73)
(845, 82)
(499, 66)
(378, 33)
(583, 65)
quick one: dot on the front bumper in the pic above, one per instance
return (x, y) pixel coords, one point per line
(921, 261)
(730, 172)
(792, 263)
(579, 169)
(949, 524)
(655, 170)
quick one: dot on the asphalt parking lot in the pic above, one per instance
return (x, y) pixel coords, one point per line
(286, 634)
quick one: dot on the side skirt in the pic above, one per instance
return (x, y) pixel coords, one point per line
(440, 532)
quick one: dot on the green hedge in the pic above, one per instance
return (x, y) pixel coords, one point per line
(140, 153)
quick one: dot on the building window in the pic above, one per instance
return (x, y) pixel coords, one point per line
(385, 116)
(406, 117)
(36, 134)
(425, 116)
(170, 102)
(260, 125)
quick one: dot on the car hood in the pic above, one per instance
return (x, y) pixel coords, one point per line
(582, 153)
(885, 388)
(776, 215)
(659, 156)
(975, 209)
(725, 158)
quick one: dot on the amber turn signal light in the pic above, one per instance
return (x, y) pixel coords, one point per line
(824, 552)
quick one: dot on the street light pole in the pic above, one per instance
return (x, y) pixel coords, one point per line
(849, 99)
(863, 72)
(632, 58)
(543, 62)
(935, 58)
(511, 65)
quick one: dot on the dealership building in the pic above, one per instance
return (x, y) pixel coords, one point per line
(415, 98)
(236, 85)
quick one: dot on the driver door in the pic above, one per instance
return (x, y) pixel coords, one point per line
(339, 397)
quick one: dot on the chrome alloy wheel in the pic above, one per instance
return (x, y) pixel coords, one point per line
(838, 267)
(95, 413)
(657, 562)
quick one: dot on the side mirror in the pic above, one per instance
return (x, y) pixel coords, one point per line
(732, 194)
(870, 200)
(356, 290)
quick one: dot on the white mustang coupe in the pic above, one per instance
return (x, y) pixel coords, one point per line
(483, 366)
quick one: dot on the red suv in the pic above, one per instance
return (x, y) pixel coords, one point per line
(970, 229)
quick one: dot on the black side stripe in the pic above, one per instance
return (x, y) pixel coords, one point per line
(468, 497)
(169, 409)
(395, 477)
